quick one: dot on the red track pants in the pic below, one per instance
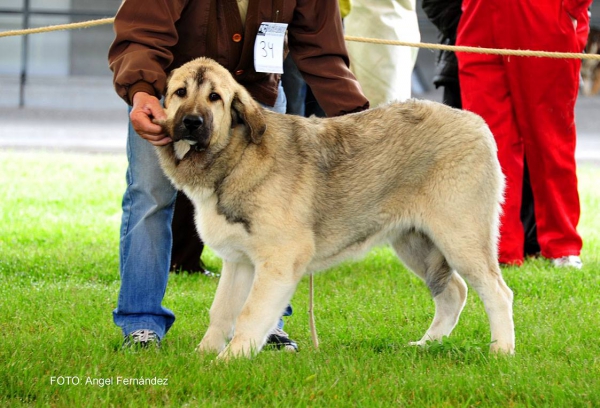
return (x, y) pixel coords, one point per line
(529, 105)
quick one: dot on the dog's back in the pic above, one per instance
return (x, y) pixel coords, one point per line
(398, 167)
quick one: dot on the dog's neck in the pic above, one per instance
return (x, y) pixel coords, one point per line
(209, 171)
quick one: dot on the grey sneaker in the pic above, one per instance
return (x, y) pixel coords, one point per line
(278, 339)
(571, 261)
(140, 339)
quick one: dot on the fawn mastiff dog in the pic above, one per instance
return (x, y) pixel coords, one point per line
(280, 196)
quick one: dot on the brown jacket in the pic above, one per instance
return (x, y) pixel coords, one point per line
(154, 37)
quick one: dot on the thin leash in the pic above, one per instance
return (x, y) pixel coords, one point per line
(311, 313)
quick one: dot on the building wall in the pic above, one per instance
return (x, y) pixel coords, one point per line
(89, 47)
(65, 69)
(60, 53)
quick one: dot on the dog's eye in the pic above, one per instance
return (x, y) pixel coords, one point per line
(214, 97)
(181, 92)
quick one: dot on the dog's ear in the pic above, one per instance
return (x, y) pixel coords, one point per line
(244, 109)
(166, 91)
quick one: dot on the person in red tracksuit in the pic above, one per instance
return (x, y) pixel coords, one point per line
(529, 104)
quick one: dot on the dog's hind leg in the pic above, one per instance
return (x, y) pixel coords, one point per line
(470, 251)
(232, 291)
(447, 288)
(486, 279)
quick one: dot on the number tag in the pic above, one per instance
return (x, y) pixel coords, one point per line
(268, 48)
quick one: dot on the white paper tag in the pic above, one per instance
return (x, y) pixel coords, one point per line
(268, 48)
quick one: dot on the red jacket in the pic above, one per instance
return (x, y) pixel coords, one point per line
(154, 37)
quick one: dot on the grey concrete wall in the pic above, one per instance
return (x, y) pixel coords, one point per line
(88, 48)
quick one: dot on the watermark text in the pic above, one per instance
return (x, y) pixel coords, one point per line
(66, 380)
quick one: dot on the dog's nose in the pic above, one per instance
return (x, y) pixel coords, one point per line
(192, 122)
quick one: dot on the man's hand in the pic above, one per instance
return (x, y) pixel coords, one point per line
(146, 108)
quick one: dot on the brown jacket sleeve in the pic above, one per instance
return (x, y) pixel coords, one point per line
(141, 52)
(316, 42)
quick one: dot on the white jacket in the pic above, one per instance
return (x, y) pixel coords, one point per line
(384, 71)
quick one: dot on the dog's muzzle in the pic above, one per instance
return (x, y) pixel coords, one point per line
(192, 122)
(193, 131)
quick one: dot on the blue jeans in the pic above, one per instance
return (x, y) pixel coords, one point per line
(146, 239)
(301, 100)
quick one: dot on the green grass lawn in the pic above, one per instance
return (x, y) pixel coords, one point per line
(59, 223)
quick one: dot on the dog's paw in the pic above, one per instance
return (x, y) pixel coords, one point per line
(211, 344)
(225, 356)
(238, 349)
(205, 349)
(428, 337)
(228, 354)
(502, 348)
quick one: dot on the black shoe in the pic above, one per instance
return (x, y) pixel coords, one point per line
(210, 274)
(201, 270)
(141, 339)
(280, 340)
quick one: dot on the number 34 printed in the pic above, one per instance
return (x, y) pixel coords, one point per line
(268, 48)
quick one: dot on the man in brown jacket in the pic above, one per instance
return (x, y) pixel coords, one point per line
(154, 37)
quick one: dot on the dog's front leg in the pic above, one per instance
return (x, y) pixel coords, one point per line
(232, 291)
(271, 292)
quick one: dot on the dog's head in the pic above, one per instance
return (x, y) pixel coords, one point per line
(206, 107)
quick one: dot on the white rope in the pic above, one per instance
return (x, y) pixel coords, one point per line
(454, 48)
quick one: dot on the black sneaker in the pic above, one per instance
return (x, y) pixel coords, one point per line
(210, 274)
(278, 339)
(141, 339)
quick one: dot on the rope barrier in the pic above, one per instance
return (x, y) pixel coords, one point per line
(59, 27)
(454, 48)
(479, 50)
